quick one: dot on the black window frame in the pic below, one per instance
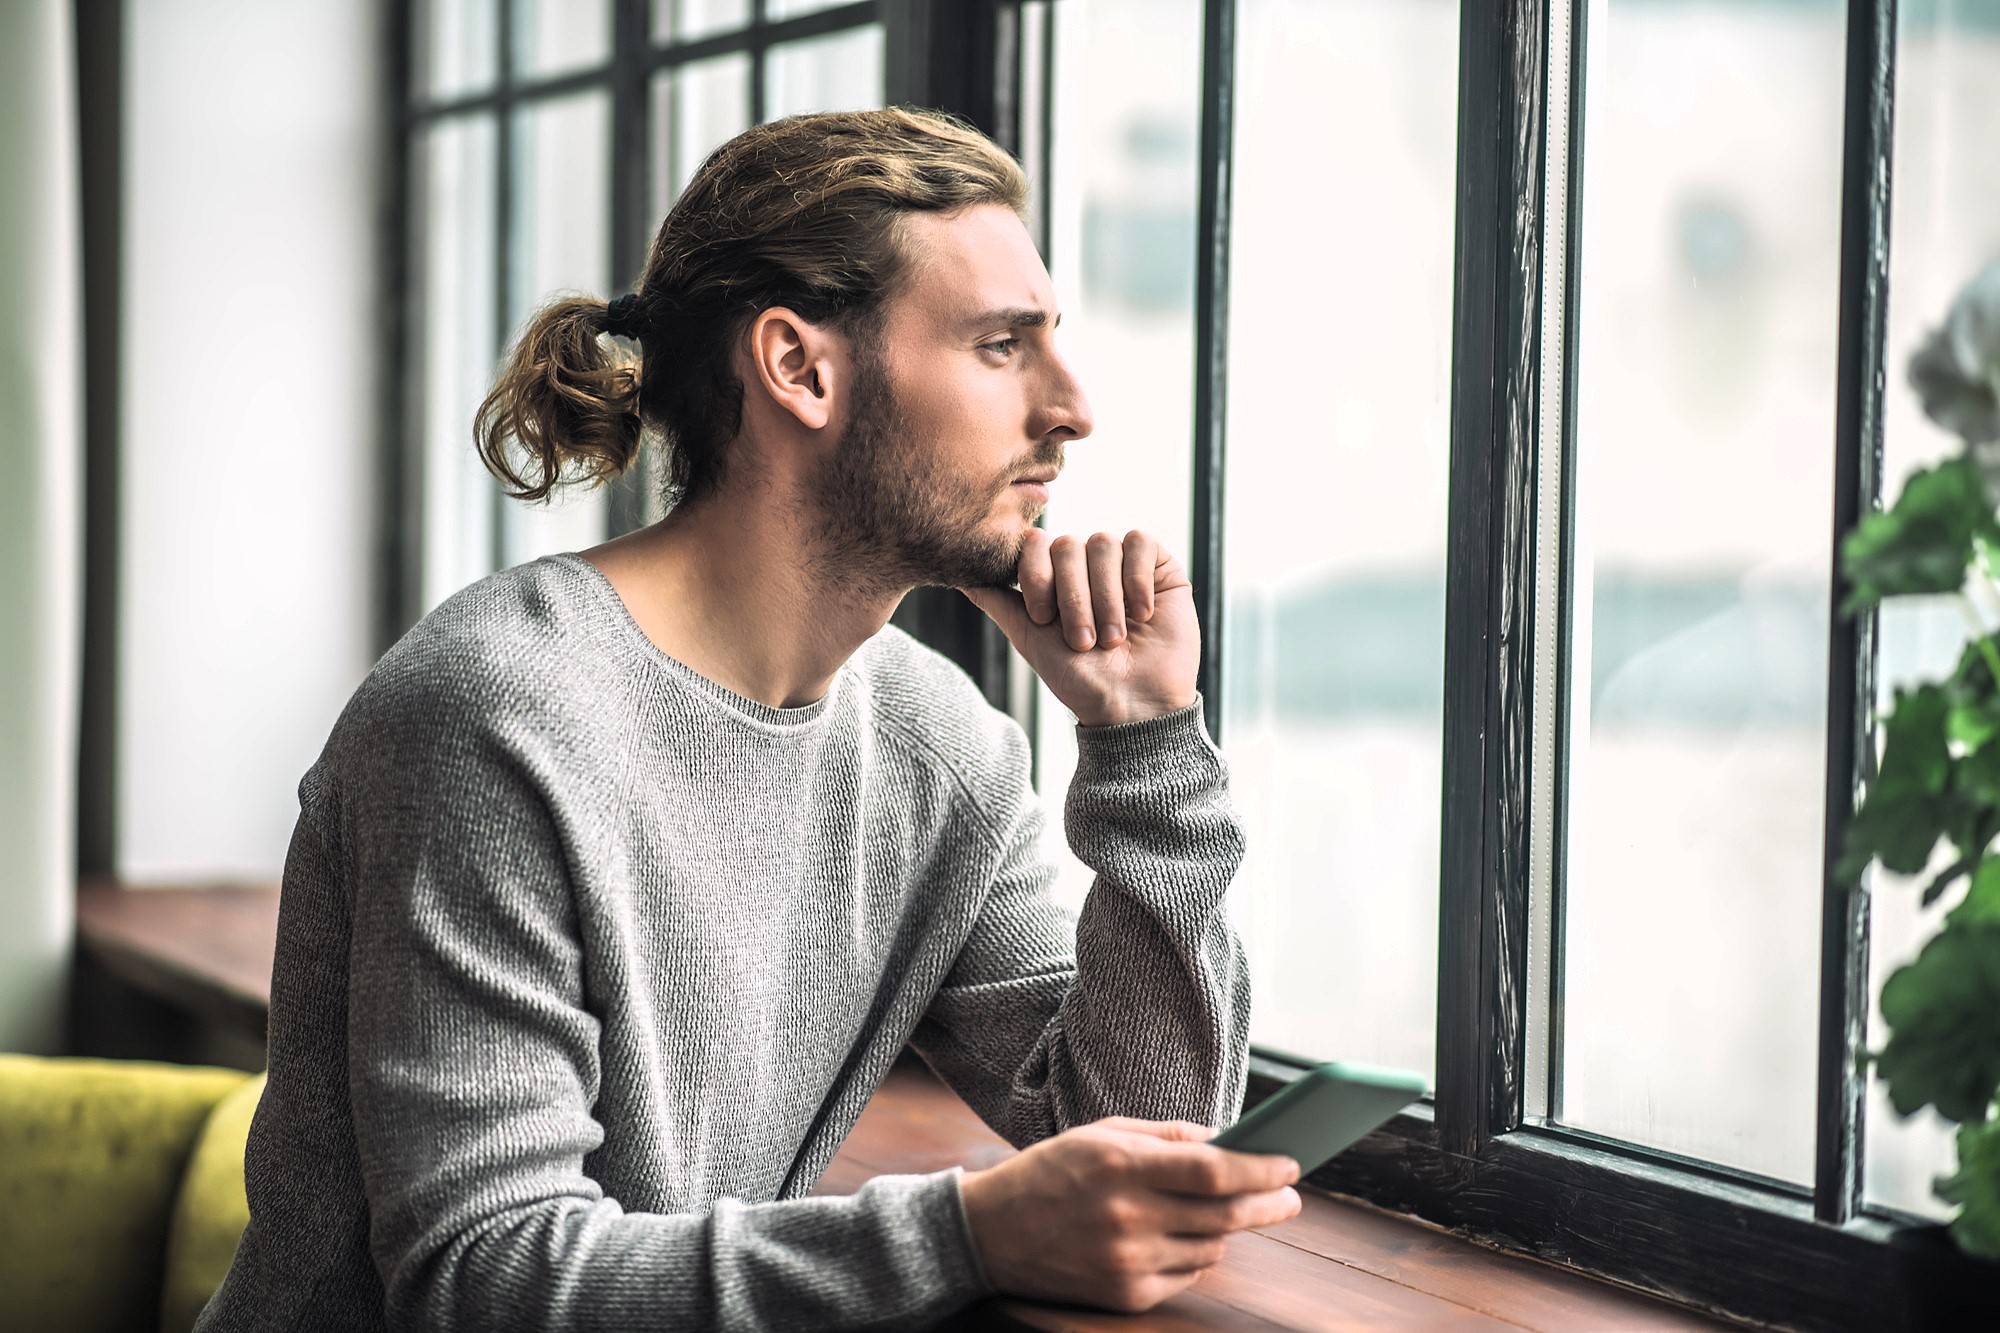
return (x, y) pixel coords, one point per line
(1471, 1159)
(1696, 1232)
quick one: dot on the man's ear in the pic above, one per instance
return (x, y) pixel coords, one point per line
(794, 362)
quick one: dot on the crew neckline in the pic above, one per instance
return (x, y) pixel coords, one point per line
(741, 705)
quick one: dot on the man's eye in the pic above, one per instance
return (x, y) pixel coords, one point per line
(1004, 347)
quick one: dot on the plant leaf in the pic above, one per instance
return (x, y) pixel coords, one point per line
(1975, 1188)
(1943, 1012)
(1924, 542)
(1909, 805)
(1981, 904)
(1972, 724)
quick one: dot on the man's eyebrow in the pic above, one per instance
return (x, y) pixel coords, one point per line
(1014, 317)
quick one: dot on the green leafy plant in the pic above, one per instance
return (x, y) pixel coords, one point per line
(1939, 776)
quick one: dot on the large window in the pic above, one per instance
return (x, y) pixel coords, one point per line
(1530, 359)
(1506, 374)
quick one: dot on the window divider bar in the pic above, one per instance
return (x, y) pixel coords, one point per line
(1868, 137)
(400, 263)
(1489, 576)
(1542, 1065)
(759, 49)
(630, 222)
(1566, 618)
(1211, 343)
(503, 253)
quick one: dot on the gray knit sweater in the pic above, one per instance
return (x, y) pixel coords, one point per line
(587, 964)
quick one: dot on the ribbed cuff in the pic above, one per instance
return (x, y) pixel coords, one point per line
(935, 1212)
(1125, 744)
(957, 1174)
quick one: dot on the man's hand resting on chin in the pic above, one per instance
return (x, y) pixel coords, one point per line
(1120, 1214)
(1108, 625)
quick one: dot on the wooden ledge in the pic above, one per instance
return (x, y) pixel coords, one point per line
(1338, 1266)
(204, 949)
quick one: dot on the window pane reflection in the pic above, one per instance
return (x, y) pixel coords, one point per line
(555, 36)
(1944, 228)
(461, 46)
(785, 9)
(561, 245)
(1335, 528)
(1707, 327)
(458, 179)
(838, 73)
(1122, 222)
(685, 20)
(696, 109)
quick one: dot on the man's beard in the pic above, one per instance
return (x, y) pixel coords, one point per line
(892, 516)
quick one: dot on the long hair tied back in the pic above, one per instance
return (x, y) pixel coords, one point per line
(799, 213)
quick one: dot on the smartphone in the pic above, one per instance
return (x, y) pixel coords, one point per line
(1325, 1112)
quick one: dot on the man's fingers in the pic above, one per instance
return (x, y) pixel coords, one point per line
(1198, 1168)
(1073, 593)
(1106, 560)
(1187, 1254)
(1142, 553)
(1218, 1215)
(1186, 1131)
(1037, 577)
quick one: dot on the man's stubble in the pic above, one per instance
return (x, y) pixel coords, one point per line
(892, 515)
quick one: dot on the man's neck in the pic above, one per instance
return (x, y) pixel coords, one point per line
(730, 588)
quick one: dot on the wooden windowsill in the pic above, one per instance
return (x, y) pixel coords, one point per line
(1338, 1266)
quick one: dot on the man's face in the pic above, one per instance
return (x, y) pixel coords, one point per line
(959, 410)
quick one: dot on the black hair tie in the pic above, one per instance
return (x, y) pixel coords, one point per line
(620, 315)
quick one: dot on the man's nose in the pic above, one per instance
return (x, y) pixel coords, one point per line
(1068, 409)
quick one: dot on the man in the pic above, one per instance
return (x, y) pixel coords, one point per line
(625, 875)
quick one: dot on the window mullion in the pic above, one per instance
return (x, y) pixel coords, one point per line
(1489, 576)
(631, 227)
(1868, 137)
(1211, 342)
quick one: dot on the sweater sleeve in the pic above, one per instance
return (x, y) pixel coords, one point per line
(1141, 1005)
(473, 1068)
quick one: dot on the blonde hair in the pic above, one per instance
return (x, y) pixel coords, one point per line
(799, 213)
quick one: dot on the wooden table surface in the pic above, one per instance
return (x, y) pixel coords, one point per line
(1338, 1266)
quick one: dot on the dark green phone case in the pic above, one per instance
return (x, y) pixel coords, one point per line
(1325, 1112)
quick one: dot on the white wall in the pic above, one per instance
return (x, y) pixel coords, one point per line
(249, 413)
(40, 566)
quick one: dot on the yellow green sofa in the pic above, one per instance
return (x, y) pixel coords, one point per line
(121, 1190)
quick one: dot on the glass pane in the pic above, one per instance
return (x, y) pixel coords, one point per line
(458, 166)
(785, 9)
(684, 20)
(461, 45)
(838, 73)
(1943, 228)
(556, 36)
(1335, 530)
(561, 216)
(1707, 332)
(696, 109)
(1122, 223)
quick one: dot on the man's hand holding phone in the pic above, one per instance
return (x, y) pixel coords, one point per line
(1120, 1213)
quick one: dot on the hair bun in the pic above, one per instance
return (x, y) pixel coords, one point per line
(621, 315)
